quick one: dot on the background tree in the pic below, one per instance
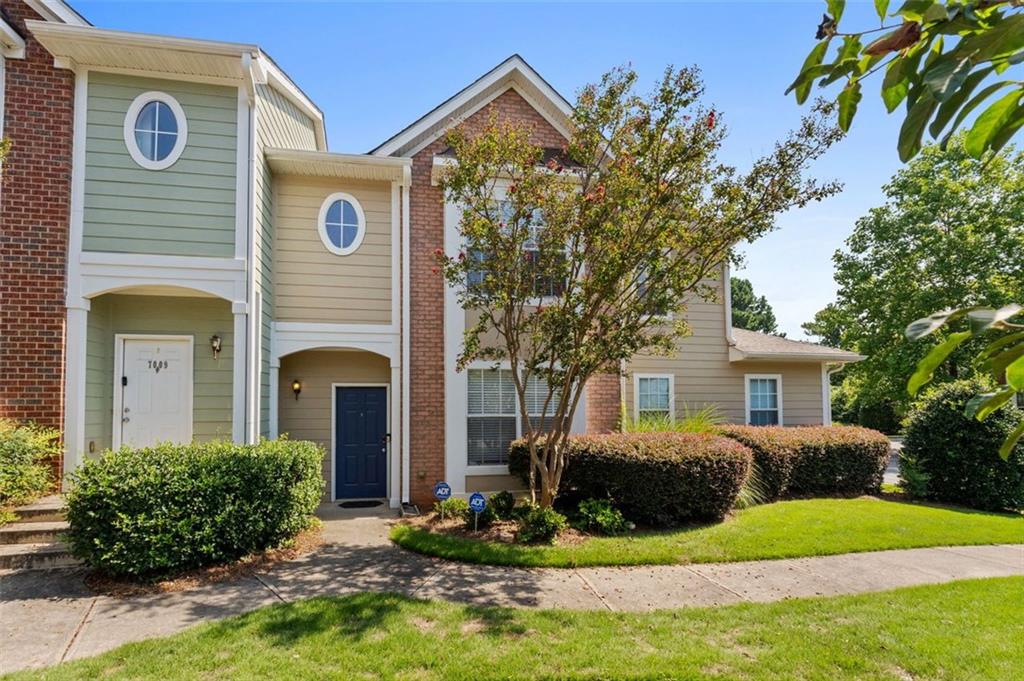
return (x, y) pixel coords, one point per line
(573, 271)
(949, 235)
(944, 60)
(750, 311)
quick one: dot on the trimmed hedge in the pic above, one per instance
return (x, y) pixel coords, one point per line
(815, 460)
(150, 512)
(951, 458)
(655, 478)
(25, 455)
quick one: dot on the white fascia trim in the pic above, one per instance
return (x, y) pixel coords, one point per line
(161, 261)
(671, 394)
(279, 80)
(55, 10)
(737, 355)
(127, 39)
(12, 44)
(445, 110)
(292, 337)
(746, 394)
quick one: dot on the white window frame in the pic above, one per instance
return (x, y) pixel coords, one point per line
(746, 394)
(671, 395)
(132, 117)
(321, 223)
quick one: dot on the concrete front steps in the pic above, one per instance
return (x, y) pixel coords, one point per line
(33, 541)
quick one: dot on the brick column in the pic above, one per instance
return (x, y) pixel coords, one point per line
(604, 403)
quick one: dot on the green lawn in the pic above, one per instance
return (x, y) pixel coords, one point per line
(962, 630)
(786, 529)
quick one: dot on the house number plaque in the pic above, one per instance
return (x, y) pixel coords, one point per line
(157, 364)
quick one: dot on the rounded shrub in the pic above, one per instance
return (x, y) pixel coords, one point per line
(25, 455)
(504, 504)
(951, 458)
(481, 520)
(154, 511)
(538, 525)
(598, 515)
(815, 460)
(654, 478)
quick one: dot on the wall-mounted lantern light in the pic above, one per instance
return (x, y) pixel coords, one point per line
(215, 345)
(296, 387)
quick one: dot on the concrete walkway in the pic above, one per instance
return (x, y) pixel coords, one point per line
(47, 617)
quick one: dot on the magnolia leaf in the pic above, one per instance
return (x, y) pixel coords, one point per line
(835, 8)
(991, 120)
(1015, 374)
(996, 346)
(997, 365)
(926, 325)
(1011, 441)
(895, 84)
(1008, 130)
(983, 319)
(980, 406)
(946, 75)
(987, 92)
(808, 72)
(927, 366)
(913, 126)
(953, 102)
(882, 7)
(913, 10)
(848, 100)
(936, 12)
(1003, 39)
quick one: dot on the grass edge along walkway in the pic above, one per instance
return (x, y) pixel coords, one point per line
(916, 632)
(784, 529)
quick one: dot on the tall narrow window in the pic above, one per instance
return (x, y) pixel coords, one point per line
(763, 400)
(491, 422)
(654, 398)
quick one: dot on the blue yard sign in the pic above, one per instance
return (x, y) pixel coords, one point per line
(477, 502)
(442, 491)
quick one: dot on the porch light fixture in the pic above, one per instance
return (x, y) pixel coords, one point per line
(215, 345)
(296, 387)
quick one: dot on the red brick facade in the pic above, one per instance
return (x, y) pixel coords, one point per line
(604, 403)
(34, 205)
(426, 300)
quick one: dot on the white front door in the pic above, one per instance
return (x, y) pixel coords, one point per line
(156, 391)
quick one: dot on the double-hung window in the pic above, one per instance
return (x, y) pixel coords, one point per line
(764, 399)
(493, 415)
(655, 400)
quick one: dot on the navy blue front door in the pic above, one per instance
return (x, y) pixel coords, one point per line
(360, 441)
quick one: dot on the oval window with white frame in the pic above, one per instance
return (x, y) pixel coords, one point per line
(342, 224)
(155, 130)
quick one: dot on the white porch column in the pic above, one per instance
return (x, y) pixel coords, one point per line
(239, 348)
(395, 454)
(74, 385)
(275, 370)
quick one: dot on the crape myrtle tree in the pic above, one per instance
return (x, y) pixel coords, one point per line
(945, 61)
(578, 259)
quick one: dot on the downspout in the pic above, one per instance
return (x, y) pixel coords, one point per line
(252, 360)
(405, 232)
(826, 390)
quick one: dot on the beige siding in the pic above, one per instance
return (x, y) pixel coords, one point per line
(704, 375)
(200, 317)
(309, 416)
(278, 124)
(315, 285)
(494, 483)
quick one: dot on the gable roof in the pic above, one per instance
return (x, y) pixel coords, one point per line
(513, 73)
(756, 345)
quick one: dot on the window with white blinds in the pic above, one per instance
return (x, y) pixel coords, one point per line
(493, 416)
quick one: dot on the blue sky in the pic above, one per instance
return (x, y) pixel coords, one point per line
(373, 68)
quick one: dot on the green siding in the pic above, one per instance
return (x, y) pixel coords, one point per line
(187, 209)
(279, 124)
(200, 317)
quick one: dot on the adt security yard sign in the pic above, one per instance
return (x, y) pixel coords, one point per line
(442, 490)
(477, 504)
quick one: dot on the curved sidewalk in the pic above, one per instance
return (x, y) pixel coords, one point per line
(47, 617)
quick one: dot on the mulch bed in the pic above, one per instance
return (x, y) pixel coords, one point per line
(304, 543)
(500, 531)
